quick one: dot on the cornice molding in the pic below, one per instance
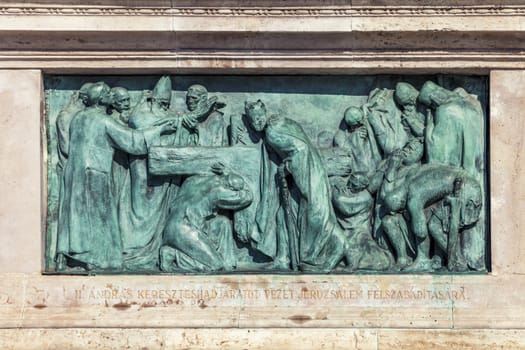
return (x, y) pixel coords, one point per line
(176, 25)
(307, 11)
(320, 62)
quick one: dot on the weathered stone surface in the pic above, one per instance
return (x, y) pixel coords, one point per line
(188, 338)
(268, 338)
(451, 339)
(494, 302)
(444, 302)
(346, 36)
(20, 181)
(507, 148)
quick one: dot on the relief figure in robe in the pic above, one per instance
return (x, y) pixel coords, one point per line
(399, 165)
(145, 209)
(88, 231)
(354, 202)
(77, 102)
(385, 118)
(454, 136)
(198, 235)
(119, 109)
(316, 240)
(211, 128)
(358, 139)
(261, 225)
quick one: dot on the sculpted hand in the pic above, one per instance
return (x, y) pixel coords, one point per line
(189, 121)
(407, 150)
(167, 124)
(339, 184)
(206, 106)
(409, 110)
(218, 168)
(170, 125)
(241, 134)
(362, 133)
(397, 157)
(211, 102)
(451, 201)
(342, 169)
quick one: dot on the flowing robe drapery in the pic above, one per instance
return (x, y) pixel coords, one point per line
(145, 208)
(364, 152)
(456, 138)
(316, 218)
(88, 229)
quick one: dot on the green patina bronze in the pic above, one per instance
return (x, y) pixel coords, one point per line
(284, 174)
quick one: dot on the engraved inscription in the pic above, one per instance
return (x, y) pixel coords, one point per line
(195, 296)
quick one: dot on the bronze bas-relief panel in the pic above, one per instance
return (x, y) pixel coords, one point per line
(268, 174)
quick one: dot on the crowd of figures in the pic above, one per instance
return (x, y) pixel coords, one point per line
(398, 187)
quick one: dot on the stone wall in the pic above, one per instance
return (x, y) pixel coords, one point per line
(257, 311)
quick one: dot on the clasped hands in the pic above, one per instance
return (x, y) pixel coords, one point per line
(187, 120)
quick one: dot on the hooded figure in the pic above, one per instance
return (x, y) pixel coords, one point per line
(454, 136)
(454, 133)
(359, 140)
(77, 103)
(316, 241)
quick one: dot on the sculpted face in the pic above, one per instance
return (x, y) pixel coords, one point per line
(162, 93)
(196, 94)
(164, 103)
(434, 95)
(257, 119)
(121, 99)
(122, 103)
(412, 153)
(256, 113)
(192, 102)
(406, 95)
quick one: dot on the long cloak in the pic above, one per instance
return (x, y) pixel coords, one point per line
(144, 209)
(316, 218)
(456, 139)
(88, 229)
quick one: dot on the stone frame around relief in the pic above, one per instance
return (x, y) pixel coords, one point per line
(210, 78)
(97, 302)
